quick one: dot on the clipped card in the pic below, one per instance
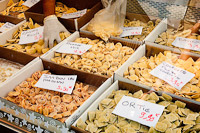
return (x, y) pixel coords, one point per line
(187, 43)
(61, 83)
(30, 3)
(174, 76)
(31, 36)
(73, 48)
(75, 14)
(129, 31)
(6, 26)
(139, 110)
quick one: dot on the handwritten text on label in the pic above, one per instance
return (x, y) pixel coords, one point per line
(175, 76)
(30, 36)
(73, 48)
(74, 15)
(187, 43)
(128, 31)
(139, 110)
(61, 83)
(6, 26)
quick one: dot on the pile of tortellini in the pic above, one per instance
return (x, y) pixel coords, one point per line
(140, 72)
(176, 118)
(61, 9)
(103, 58)
(36, 48)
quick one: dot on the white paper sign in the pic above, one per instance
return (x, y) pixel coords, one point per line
(30, 36)
(30, 3)
(129, 31)
(61, 83)
(139, 110)
(6, 26)
(73, 48)
(174, 76)
(75, 14)
(187, 43)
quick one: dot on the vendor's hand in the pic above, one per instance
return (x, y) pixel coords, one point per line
(52, 28)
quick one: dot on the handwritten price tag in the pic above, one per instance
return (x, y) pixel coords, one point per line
(139, 110)
(187, 43)
(30, 36)
(6, 26)
(73, 48)
(30, 3)
(75, 14)
(174, 76)
(61, 83)
(128, 31)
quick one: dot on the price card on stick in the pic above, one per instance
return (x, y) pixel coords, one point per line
(61, 83)
(129, 31)
(30, 36)
(73, 48)
(6, 26)
(174, 76)
(30, 3)
(139, 110)
(187, 43)
(75, 14)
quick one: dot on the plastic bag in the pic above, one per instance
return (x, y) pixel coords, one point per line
(109, 20)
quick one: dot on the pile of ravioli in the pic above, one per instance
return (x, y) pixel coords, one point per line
(176, 118)
(147, 28)
(36, 48)
(140, 72)
(47, 102)
(103, 58)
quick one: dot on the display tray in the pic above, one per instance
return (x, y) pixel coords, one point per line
(38, 119)
(129, 16)
(120, 85)
(147, 51)
(162, 27)
(48, 56)
(72, 24)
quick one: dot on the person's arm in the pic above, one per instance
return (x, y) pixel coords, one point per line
(49, 7)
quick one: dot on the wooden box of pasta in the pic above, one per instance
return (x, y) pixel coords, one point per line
(115, 111)
(49, 109)
(63, 8)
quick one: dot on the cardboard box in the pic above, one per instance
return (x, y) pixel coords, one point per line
(72, 38)
(162, 27)
(129, 16)
(54, 125)
(120, 85)
(15, 56)
(71, 24)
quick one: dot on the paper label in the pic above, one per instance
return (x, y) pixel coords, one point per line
(61, 83)
(187, 43)
(174, 76)
(139, 110)
(6, 26)
(129, 31)
(73, 48)
(30, 36)
(75, 14)
(30, 3)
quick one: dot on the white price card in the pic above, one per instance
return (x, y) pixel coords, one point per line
(30, 36)
(6, 26)
(73, 48)
(30, 3)
(187, 43)
(129, 31)
(139, 110)
(174, 76)
(75, 14)
(61, 83)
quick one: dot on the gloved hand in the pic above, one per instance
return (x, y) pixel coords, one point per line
(52, 28)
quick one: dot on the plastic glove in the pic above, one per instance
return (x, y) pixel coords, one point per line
(52, 28)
